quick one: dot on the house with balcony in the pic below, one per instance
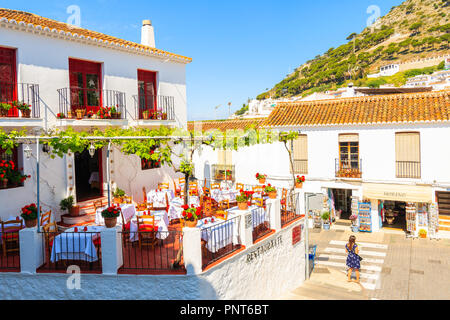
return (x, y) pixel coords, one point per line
(384, 152)
(69, 76)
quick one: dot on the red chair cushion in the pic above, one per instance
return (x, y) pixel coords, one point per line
(126, 226)
(10, 235)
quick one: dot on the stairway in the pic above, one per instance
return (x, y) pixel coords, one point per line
(86, 217)
(444, 226)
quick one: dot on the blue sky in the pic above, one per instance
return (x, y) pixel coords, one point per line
(239, 47)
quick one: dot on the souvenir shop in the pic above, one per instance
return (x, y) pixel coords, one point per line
(404, 207)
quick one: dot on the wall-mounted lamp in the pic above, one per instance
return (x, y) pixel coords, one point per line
(92, 150)
(45, 148)
(28, 152)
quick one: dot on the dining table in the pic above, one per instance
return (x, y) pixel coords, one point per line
(224, 194)
(161, 221)
(76, 243)
(158, 197)
(175, 206)
(219, 233)
(128, 211)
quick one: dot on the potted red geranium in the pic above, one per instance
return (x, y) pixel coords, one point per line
(191, 215)
(110, 215)
(29, 214)
(244, 199)
(6, 171)
(299, 181)
(271, 191)
(261, 178)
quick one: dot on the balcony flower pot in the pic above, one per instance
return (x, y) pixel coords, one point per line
(262, 180)
(69, 115)
(191, 223)
(26, 113)
(4, 183)
(80, 114)
(145, 115)
(110, 222)
(272, 195)
(242, 205)
(29, 214)
(164, 116)
(30, 223)
(299, 185)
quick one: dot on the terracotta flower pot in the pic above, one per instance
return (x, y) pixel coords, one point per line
(262, 180)
(242, 205)
(30, 223)
(145, 116)
(26, 113)
(118, 200)
(110, 222)
(190, 224)
(5, 183)
(80, 114)
(69, 115)
(273, 195)
(298, 185)
(74, 211)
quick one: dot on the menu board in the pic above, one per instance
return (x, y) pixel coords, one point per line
(365, 218)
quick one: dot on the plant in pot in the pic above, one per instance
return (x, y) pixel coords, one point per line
(25, 109)
(261, 178)
(118, 195)
(114, 113)
(244, 199)
(6, 171)
(110, 215)
(271, 191)
(164, 116)
(60, 116)
(4, 109)
(145, 114)
(29, 214)
(17, 178)
(326, 220)
(80, 113)
(299, 181)
(354, 219)
(191, 215)
(67, 205)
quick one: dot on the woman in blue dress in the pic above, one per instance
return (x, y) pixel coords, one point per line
(352, 259)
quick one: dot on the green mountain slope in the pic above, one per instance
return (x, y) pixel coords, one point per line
(414, 29)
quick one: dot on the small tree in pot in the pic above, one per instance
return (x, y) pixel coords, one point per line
(326, 220)
(67, 205)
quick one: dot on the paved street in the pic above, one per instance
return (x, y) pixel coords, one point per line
(394, 267)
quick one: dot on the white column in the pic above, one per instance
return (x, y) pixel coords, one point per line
(274, 213)
(246, 227)
(112, 257)
(192, 250)
(31, 250)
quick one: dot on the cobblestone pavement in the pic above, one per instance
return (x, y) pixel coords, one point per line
(394, 267)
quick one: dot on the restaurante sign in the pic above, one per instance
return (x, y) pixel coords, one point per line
(264, 248)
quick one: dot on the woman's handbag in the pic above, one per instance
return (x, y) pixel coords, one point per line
(359, 257)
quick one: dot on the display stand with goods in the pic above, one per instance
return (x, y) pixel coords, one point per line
(364, 215)
(411, 219)
(433, 221)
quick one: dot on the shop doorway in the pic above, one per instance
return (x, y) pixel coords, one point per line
(395, 215)
(88, 175)
(342, 203)
(443, 200)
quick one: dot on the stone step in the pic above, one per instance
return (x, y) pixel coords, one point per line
(443, 217)
(444, 228)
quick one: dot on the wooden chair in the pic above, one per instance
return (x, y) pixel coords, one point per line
(181, 181)
(283, 200)
(258, 189)
(10, 235)
(177, 189)
(206, 191)
(125, 228)
(239, 186)
(163, 186)
(146, 231)
(193, 189)
(221, 214)
(98, 204)
(215, 186)
(208, 206)
(50, 232)
(152, 207)
(259, 202)
(224, 204)
(46, 218)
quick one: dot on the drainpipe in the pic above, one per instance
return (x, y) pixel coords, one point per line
(108, 173)
(37, 184)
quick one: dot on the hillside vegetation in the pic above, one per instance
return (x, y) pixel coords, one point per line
(414, 29)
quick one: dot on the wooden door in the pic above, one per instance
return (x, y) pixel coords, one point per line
(147, 92)
(85, 85)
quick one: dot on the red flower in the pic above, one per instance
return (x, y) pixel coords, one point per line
(189, 215)
(185, 206)
(184, 214)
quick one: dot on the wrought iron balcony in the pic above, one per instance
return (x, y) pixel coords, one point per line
(21, 93)
(408, 169)
(348, 168)
(151, 107)
(300, 166)
(91, 102)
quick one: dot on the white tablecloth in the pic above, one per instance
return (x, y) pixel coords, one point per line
(158, 198)
(175, 209)
(128, 211)
(79, 245)
(220, 195)
(161, 221)
(219, 233)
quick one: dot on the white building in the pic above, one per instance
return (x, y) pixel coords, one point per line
(386, 71)
(385, 151)
(57, 68)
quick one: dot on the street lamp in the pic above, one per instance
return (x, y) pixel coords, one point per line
(28, 152)
(92, 150)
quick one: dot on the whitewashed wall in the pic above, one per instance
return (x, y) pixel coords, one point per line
(275, 272)
(45, 61)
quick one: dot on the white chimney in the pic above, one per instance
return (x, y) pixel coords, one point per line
(147, 34)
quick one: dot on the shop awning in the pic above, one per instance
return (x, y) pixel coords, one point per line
(397, 192)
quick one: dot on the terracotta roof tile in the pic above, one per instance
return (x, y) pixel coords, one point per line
(395, 108)
(224, 125)
(21, 16)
